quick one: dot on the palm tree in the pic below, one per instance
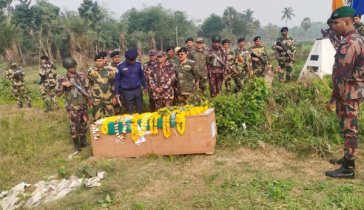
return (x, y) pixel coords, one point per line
(306, 24)
(248, 15)
(287, 14)
(229, 17)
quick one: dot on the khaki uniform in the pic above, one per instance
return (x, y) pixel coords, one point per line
(17, 85)
(244, 68)
(259, 67)
(49, 74)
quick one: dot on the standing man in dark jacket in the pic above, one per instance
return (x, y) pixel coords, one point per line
(130, 77)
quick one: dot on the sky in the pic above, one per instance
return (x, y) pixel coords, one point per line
(267, 11)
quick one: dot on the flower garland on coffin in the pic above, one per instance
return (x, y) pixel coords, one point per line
(153, 119)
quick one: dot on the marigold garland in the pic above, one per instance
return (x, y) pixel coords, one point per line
(181, 122)
(134, 127)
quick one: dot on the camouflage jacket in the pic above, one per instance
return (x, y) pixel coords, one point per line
(360, 29)
(79, 79)
(173, 61)
(201, 57)
(49, 72)
(162, 78)
(214, 64)
(348, 71)
(15, 80)
(246, 65)
(231, 55)
(187, 75)
(146, 69)
(335, 40)
(102, 83)
(289, 44)
(262, 53)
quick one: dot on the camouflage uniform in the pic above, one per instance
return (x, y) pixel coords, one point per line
(231, 59)
(118, 110)
(174, 61)
(201, 58)
(17, 85)
(76, 108)
(102, 88)
(146, 69)
(360, 29)
(329, 33)
(243, 68)
(217, 71)
(162, 78)
(259, 67)
(49, 72)
(348, 89)
(186, 75)
(283, 60)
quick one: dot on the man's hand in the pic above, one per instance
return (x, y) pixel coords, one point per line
(67, 84)
(255, 59)
(89, 102)
(330, 107)
(280, 48)
(210, 56)
(145, 91)
(235, 71)
(158, 90)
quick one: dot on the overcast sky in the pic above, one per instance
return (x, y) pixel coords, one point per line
(267, 11)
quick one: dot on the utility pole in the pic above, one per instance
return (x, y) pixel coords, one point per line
(177, 36)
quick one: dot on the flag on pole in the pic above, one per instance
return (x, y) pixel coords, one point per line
(336, 4)
(358, 5)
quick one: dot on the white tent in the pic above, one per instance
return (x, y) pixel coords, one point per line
(321, 58)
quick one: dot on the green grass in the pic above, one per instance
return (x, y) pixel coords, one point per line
(278, 163)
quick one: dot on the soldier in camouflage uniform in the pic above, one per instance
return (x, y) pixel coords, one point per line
(76, 106)
(348, 88)
(243, 63)
(201, 57)
(258, 50)
(231, 59)
(16, 77)
(101, 80)
(152, 59)
(329, 33)
(358, 25)
(284, 62)
(171, 58)
(161, 77)
(187, 73)
(216, 68)
(115, 56)
(104, 55)
(48, 74)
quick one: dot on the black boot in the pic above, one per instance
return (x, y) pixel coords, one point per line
(347, 170)
(29, 105)
(77, 145)
(338, 162)
(84, 142)
(49, 108)
(20, 106)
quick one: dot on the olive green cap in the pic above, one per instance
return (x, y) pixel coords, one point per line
(69, 63)
(341, 12)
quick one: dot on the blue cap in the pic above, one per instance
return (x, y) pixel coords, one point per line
(131, 54)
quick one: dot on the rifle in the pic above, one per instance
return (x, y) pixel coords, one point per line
(255, 56)
(240, 59)
(82, 90)
(221, 61)
(17, 72)
(284, 49)
(42, 78)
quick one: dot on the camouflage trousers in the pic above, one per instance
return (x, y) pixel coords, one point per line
(16, 90)
(102, 109)
(287, 68)
(161, 103)
(78, 122)
(202, 83)
(152, 106)
(228, 82)
(182, 99)
(239, 81)
(259, 71)
(348, 113)
(215, 82)
(48, 95)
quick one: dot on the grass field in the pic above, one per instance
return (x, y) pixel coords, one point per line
(254, 170)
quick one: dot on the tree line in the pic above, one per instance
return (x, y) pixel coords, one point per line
(29, 30)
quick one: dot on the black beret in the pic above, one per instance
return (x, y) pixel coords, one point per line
(329, 21)
(225, 41)
(114, 54)
(44, 57)
(358, 15)
(131, 54)
(256, 38)
(103, 54)
(284, 29)
(183, 49)
(98, 57)
(170, 48)
(189, 39)
(241, 40)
